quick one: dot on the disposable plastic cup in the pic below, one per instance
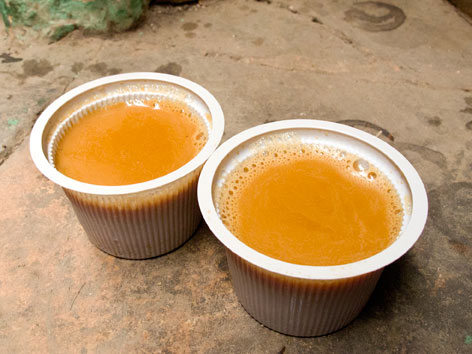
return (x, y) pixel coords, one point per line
(139, 220)
(304, 300)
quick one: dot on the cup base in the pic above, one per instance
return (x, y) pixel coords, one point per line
(140, 228)
(299, 307)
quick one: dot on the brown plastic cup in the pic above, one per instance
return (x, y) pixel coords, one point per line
(303, 300)
(141, 220)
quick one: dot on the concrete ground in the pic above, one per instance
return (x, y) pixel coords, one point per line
(401, 68)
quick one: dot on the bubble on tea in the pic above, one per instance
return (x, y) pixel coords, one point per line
(340, 155)
(360, 165)
(371, 175)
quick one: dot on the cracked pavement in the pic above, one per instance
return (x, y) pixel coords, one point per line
(398, 69)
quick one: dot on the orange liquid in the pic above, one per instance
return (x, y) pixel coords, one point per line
(301, 207)
(124, 144)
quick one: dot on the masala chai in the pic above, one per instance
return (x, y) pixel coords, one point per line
(130, 142)
(310, 205)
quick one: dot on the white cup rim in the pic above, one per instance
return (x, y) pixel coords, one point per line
(378, 261)
(42, 163)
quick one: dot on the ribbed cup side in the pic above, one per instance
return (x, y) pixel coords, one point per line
(142, 225)
(299, 307)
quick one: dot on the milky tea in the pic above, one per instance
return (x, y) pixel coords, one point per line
(311, 205)
(130, 142)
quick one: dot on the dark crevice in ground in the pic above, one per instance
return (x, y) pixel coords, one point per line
(9, 150)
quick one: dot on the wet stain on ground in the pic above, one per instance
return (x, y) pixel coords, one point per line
(468, 102)
(428, 154)
(41, 101)
(467, 110)
(77, 67)
(373, 16)
(468, 125)
(461, 248)
(33, 67)
(190, 35)
(223, 264)
(373, 128)
(434, 121)
(258, 41)
(207, 25)
(169, 68)
(7, 58)
(103, 69)
(189, 26)
(450, 210)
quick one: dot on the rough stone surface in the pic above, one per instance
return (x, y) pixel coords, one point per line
(58, 18)
(401, 69)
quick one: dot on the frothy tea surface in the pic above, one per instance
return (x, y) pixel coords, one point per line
(130, 142)
(307, 205)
